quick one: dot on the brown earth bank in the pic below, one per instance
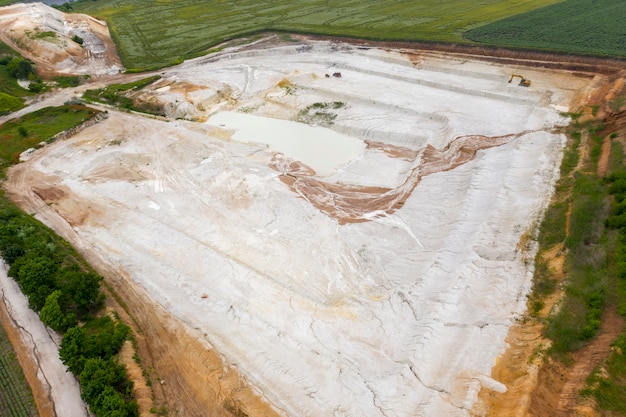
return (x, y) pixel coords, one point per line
(540, 386)
(352, 203)
(187, 377)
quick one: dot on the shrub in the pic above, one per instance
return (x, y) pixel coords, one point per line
(20, 68)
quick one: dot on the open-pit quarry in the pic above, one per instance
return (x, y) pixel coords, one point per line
(345, 227)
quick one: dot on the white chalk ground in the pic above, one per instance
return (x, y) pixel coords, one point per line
(43, 346)
(401, 316)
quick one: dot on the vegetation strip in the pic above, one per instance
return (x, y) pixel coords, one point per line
(120, 95)
(59, 284)
(593, 238)
(10, 92)
(36, 128)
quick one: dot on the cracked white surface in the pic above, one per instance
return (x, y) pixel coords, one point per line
(400, 316)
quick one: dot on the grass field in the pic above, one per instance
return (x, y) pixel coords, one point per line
(28, 131)
(152, 34)
(576, 26)
(16, 399)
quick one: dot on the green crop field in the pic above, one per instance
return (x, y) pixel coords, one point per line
(156, 33)
(595, 27)
(16, 399)
(152, 34)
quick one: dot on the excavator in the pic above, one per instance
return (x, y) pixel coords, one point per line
(524, 82)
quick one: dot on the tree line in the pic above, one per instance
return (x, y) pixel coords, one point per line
(66, 293)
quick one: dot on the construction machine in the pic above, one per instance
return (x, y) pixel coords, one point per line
(524, 82)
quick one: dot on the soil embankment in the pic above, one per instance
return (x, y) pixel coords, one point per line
(537, 385)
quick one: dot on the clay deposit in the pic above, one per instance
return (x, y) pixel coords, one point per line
(382, 284)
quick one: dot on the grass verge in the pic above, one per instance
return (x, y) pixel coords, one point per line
(592, 210)
(120, 95)
(40, 126)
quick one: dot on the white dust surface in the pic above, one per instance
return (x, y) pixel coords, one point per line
(42, 345)
(403, 315)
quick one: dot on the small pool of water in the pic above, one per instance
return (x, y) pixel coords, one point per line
(322, 149)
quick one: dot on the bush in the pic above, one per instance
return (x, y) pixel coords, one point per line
(88, 352)
(20, 68)
(52, 315)
(36, 87)
(35, 274)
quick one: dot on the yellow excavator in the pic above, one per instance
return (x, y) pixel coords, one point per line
(524, 82)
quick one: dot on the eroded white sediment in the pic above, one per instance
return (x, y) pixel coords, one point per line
(400, 316)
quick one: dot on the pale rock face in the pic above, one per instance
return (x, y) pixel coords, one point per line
(21, 25)
(385, 286)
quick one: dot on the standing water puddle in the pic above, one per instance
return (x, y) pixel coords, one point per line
(320, 148)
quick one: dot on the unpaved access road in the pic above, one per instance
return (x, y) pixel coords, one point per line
(398, 308)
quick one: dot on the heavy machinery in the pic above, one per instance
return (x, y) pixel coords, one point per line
(524, 82)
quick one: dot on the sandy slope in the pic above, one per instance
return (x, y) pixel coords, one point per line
(27, 28)
(401, 309)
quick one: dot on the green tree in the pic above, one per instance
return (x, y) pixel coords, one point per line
(106, 338)
(52, 315)
(82, 290)
(12, 253)
(111, 403)
(71, 350)
(36, 277)
(99, 338)
(97, 374)
(20, 68)
(105, 388)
